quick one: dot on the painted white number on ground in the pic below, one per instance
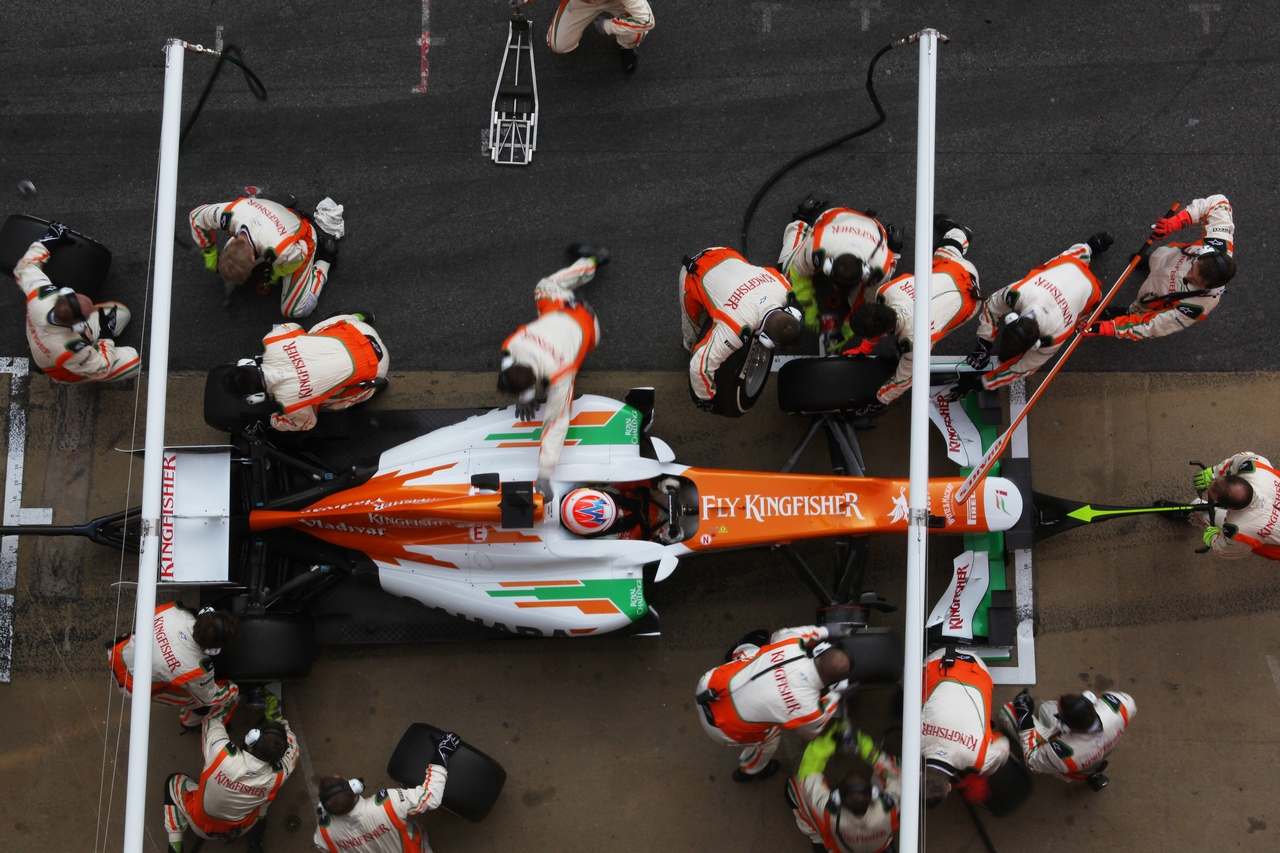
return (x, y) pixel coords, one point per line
(1203, 10)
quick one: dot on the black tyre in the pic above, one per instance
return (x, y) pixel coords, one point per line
(833, 384)
(1010, 787)
(741, 379)
(475, 779)
(270, 647)
(876, 656)
(225, 411)
(80, 263)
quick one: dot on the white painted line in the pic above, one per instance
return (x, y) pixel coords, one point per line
(217, 39)
(1275, 670)
(424, 44)
(1018, 447)
(6, 637)
(17, 370)
(35, 515)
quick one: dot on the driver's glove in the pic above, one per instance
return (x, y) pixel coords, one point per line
(448, 746)
(981, 355)
(544, 487)
(1203, 478)
(56, 233)
(1209, 533)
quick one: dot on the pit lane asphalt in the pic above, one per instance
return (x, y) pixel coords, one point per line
(1053, 122)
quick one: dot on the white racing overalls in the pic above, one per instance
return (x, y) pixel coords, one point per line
(735, 295)
(629, 22)
(320, 369)
(955, 298)
(181, 672)
(1061, 293)
(839, 231)
(232, 793)
(1165, 304)
(765, 690)
(553, 347)
(956, 734)
(381, 823)
(843, 831)
(1051, 750)
(286, 240)
(1254, 528)
(64, 354)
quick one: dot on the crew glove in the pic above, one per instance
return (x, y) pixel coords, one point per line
(527, 411)
(811, 320)
(819, 752)
(981, 355)
(211, 258)
(1100, 242)
(1209, 533)
(1169, 224)
(271, 709)
(966, 383)
(56, 233)
(1101, 329)
(869, 410)
(704, 405)
(448, 746)
(1203, 478)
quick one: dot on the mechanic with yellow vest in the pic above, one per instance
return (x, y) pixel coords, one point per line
(545, 355)
(182, 652)
(271, 243)
(791, 680)
(739, 299)
(237, 784)
(1069, 738)
(340, 362)
(70, 336)
(861, 814)
(1246, 491)
(852, 250)
(382, 823)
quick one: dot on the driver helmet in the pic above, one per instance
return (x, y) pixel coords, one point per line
(588, 511)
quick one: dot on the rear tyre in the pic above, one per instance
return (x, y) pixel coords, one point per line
(475, 779)
(80, 264)
(269, 647)
(809, 386)
(224, 411)
(741, 379)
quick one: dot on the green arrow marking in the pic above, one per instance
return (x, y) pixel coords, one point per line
(1087, 513)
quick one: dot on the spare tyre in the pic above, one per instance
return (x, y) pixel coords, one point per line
(80, 263)
(741, 378)
(475, 779)
(269, 647)
(837, 383)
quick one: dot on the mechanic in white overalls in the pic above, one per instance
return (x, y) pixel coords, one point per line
(791, 680)
(545, 355)
(957, 742)
(851, 249)
(861, 814)
(955, 299)
(69, 335)
(1027, 322)
(383, 822)
(1185, 280)
(339, 363)
(1246, 490)
(628, 21)
(271, 243)
(1069, 738)
(739, 299)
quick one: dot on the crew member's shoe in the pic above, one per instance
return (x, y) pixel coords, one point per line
(365, 317)
(769, 770)
(326, 247)
(629, 60)
(586, 250)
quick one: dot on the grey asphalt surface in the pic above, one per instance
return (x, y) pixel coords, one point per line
(1053, 122)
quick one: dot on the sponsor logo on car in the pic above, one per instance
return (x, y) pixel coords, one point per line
(760, 507)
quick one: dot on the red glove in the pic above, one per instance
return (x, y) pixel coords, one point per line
(1169, 224)
(1103, 329)
(867, 347)
(973, 788)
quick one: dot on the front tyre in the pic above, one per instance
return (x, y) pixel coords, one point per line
(741, 379)
(808, 386)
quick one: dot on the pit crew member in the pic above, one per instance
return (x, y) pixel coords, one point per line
(70, 336)
(182, 653)
(382, 823)
(861, 814)
(271, 244)
(957, 742)
(1027, 322)
(850, 249)
(339, 363)
(1185, 281)
(1069, 738)
(740, 299)
(790, 680)
(628, 21)
(1247, 488)
(955, 299)
(545, 355)
(238, 782)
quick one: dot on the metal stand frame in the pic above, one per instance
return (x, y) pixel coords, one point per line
(513, 127)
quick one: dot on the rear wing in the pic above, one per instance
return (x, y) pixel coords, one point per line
(195, 515)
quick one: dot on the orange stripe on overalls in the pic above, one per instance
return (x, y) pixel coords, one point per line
(1262, 549)
(705, 263)
(363, 357)
(125, 679)
(407, 842)
(193, 802)
(969, 673)
(726, 715)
